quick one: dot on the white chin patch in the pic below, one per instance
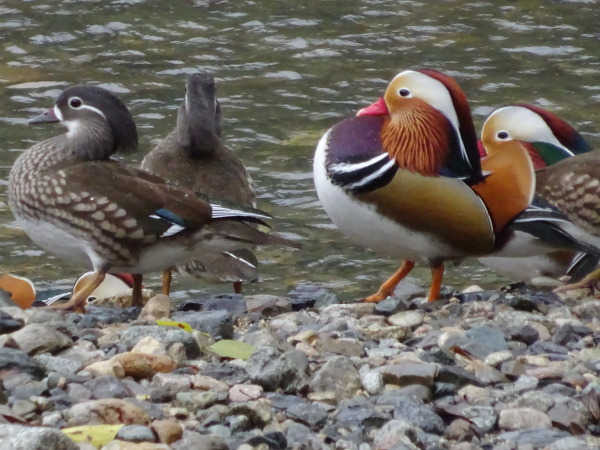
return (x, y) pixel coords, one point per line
(57, 113)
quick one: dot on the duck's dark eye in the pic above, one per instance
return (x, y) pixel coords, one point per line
(502, 135)
(404, 92)
(75, 102)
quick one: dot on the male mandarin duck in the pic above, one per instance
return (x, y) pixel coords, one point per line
(571, 186)
(403, 178)
(77, 203)
(548, 139)
(192, 155)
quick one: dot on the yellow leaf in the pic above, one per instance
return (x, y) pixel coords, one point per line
(97, 435)
(228, 348)
(169, 323)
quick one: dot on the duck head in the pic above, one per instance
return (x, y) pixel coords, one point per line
(546, 137)
(98, 123)
(199, 118)
(429, 128)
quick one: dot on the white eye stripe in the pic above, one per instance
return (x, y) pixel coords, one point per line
(91, 108)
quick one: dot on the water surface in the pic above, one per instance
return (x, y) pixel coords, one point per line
(286, 71)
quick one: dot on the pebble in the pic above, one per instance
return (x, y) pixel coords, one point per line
(19, 437)
(344, 376)
(28, 339)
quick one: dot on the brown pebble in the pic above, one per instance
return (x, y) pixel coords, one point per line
(168, 431)
(145, 365)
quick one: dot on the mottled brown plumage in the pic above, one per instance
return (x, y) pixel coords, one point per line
(75, 202)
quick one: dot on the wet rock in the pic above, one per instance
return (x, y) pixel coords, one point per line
(106, 411)
(523, 418)
(18, 437)
(235, 304)
(337, 375)
(167, 336)
(272, 369)
(217, 323)
(274, 441)
(309, 414)
(389, 306)
(267, 305)
(418, 414)
(28, 339)
(307, 295)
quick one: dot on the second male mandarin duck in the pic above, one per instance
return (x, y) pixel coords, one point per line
(548, 139)
(571, 186)
(403, 178)
(75, 202)
(193, 156)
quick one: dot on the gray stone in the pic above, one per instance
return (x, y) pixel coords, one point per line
(537, 438)
(337, 375)
(570, 443)
(300, 436)
(526, 334)
(57, 364)
(165, 335)
(28, 339)
(409, 319)
(389, 396)
(414, 412)
(398, 434)
(17, 437)
(360, 414)
(588, 310)
(195, 401)
(272, 369)
(78, 392)
(108, 386)
(23, 407)
(344, 346)
(218, 323)
(192, 440)
(136, 433)
(483, 416)
(310, 414)
(259, 412)
(484, 340)
(18, 360)
(264, 338)
(523, 419)
(8, 323)
(409, 372)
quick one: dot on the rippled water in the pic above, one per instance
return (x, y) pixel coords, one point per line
(286, 71)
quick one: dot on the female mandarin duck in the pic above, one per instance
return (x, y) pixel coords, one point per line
(74, 201)
(192, 155)
(571, 186)
(403, 178)
(548, 139)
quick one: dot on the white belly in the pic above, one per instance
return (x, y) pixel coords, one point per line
(56, 241)
(525, 269)
(361, 222)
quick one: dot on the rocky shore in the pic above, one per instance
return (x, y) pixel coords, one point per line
(512, 369)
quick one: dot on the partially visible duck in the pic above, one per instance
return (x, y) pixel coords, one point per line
(548, 139)
(194, 156)
(77, 203)
(404, 178)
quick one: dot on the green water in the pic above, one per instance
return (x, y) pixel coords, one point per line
(286, 71)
